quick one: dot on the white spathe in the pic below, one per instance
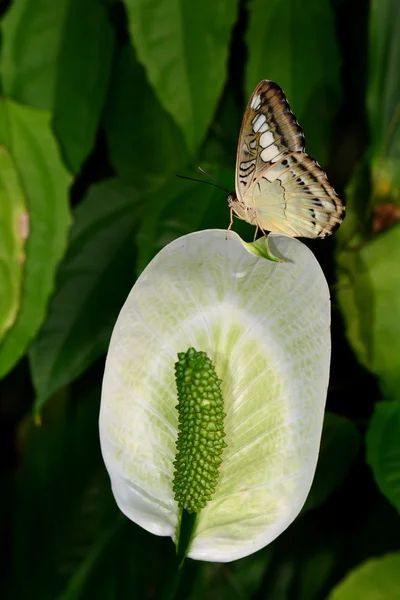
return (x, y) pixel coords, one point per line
(265, 326)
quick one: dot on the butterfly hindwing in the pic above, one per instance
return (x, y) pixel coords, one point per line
(306, 205)
(278, 186)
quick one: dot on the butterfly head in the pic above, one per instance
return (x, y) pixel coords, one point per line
(240, 209)
(231, 200)
(236, 205)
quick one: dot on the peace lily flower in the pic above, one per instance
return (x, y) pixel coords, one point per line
(265, 328)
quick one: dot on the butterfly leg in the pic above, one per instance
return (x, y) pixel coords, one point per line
(255, 234)
(259, 227)
(230, 223)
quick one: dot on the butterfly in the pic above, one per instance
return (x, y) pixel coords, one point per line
(278, 186)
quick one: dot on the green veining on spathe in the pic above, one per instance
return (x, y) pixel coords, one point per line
(201, 430)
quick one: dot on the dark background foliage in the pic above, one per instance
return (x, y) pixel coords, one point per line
(102, 103)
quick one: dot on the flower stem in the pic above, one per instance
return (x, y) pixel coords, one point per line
(186, 530)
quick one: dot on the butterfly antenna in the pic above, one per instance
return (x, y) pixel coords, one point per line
(206, 174)
(213, 178)
(206, 182)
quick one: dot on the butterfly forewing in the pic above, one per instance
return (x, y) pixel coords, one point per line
(269, 129)
(278, 186)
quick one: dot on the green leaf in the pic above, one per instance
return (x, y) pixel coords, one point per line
(376, 579)
(81, 577)
(383, 449)
(340, 443)
(181, 207)
(368, 284)
(92, 284)
(118, 563)
(84, 67)
(184, 47)
(13, 233)
(63, 501)
(221, 143)
(369, 281)
(144, 142)
(31, 33)
(351, 239)
(70, 541)
(27, 134)
(383, 98)
(58, 55)
(369, 294)
(297, 48)
(322, 559)
(238, 580)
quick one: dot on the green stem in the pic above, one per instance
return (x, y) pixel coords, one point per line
(170, 592)
(186, 529)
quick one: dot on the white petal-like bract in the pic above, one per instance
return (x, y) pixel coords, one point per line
(265, 326)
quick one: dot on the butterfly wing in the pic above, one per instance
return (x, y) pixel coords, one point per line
(268, 127)
(293, 196)
(282, 188)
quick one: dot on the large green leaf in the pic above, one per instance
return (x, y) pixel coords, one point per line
(383, 449)
(181, 207)
(84, 66)
(70, 541)
(13, 233)
(369, 282)
(303, 561)
(384, 98)
(92, 284)
(31, 33)
(376, 579)
(58, 55)
(339, 445)
(123, 562)
(296, 47)
(221, 143)
(351, 239)
(144, 142)
(368, 287)
(26, 133)
(184, 47)
(63, 503)
(369, 293)
(239, 580)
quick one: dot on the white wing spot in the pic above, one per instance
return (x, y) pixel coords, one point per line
(260, 120)
(269, 153)
(266, 139)
(256, 102)
(263, 128)
(253, 144)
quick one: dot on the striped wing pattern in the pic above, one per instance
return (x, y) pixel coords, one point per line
(278, 186)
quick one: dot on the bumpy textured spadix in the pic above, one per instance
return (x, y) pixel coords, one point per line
(265, 326)
(201, 430)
